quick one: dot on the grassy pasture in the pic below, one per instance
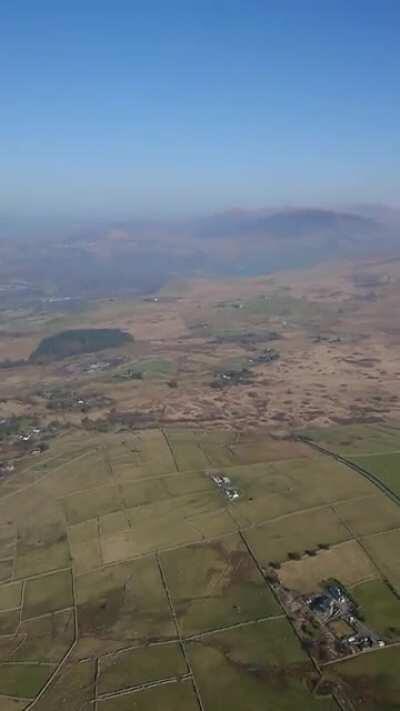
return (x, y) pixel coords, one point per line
(10, 596)
(277, 488)
(129, 471)
(174, 486)
(169, 697)
(319, 481)
(125, 602)
(212, 524)
(135, 456)
(188, 483)
(100, 516)
(47, 594)
(217, 436)
(199, 452)
(175, 512)
(144, 492)
(260, 508)
(82, 532)
(23, 680)
(41, 548)
(153, 527)
(264, 493)
(8, 537)
(294, 534)
(84, 544)
(216, 584)
(322, 480)
(189, 455)
(268, 450)
(8, 703)
(356, 440)
(263, 309)
(45, 639)
(385, 466)
(84, 472)
(384, 549)
(165, 522)
(371, 681)
(102, 500)
(152, 368)
(201, 449)
(140, 666)
(380, 607)
(86, 555)
(154, 453)
(219, 455)
(6, 569)
(254, 667)
(369, 515)
(9, 622)
(346, 562)
(282, 304)
(113, 523)
(71, 690)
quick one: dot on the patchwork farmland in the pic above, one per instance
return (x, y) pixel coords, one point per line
(130, 580)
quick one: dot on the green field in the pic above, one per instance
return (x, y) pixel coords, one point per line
(385, 466)
(140, 666)
(24, 680)
(371, 514)
(177, 697)
(216, 584)
(384, 550)
(295, 533)
(356, 440)
(47, 594)
(370, 681)
(255, 667)
(148, 368)
(380, 607)
(71, 690)
(114, 546)
(44, 639)
(123, 605)
(376, 449)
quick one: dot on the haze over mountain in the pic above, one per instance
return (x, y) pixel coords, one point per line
(105, 257)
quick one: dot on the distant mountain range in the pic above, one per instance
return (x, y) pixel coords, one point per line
(290, 224)
(101, 258)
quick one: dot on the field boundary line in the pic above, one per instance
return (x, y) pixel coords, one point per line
(360, 654)
(269, 587)
(226, 628)
(119, 486)
(356, 467)
(373, 454)
(179, 633)
(36, 576)
(172, 453)
(286, 615)
(95, 683)
(142, 687)
(204, 541)
(66, 656)
(43, 478)
(26, 663)
(53, 676)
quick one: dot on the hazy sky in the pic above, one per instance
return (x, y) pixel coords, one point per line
(170, 107)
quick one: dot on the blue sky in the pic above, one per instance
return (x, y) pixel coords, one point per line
(174, 107)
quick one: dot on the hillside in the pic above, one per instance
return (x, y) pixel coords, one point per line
(291, 223)
(139, 257)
